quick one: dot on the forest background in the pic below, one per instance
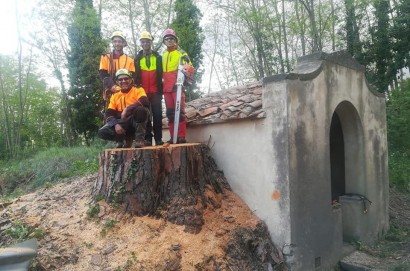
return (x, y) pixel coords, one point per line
(50, 91)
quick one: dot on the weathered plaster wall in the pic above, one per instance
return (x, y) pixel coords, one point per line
(280, 165)
(256, 171)
(316, 90)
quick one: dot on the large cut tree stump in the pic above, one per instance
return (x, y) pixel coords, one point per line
(176, 182)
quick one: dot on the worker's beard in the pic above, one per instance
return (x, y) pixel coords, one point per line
(126, 89)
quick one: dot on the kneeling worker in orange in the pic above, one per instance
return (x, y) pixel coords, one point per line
(127, 114)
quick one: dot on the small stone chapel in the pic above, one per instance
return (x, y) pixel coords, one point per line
(307, 152)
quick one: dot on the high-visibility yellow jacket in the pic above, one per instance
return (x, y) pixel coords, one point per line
(170, 62)
(149, 72)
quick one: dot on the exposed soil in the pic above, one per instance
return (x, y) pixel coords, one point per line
(232, 237)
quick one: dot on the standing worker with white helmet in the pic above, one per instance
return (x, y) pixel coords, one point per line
(148, 65)
(111, 62)
(172, 59)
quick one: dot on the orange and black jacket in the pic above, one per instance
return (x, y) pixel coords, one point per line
(132, 99)
(110, 63)
(149, 72)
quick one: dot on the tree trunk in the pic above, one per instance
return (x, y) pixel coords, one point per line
(176, 182)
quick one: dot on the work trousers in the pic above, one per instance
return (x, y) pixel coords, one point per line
(155, 100)
(170, 101)
(134, 126)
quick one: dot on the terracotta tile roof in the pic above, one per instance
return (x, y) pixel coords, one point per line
(242, 102)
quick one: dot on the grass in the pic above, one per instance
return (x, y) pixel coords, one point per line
(396, 243)
(21, 232)
(129, 263)
(108, 225)
(93, 210)
(47, 168)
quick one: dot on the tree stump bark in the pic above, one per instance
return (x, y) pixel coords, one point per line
(176, 182)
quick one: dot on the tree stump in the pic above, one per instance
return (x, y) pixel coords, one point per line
(176, 182)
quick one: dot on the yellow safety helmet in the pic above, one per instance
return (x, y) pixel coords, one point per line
(122, 72)
(146, 35)
(119, 34)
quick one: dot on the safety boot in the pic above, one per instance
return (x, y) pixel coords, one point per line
(179, 140)
(147, 142)
(140, 129)
(159, 142)
(128, 142)
(119, 144)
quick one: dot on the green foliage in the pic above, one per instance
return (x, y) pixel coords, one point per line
(88, 245)
(190, 38)
(399, 173)
(397, 234)
(93, 210)
(353, 43)
(400, 32)
(398, 131)
(404, 266)
(85, 86)
(38, 127)
(108, 225)
(22, 232)
(129, 263)
(47, 167)
(381, 74)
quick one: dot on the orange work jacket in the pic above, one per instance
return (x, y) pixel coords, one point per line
(112, 65)
(120, 100)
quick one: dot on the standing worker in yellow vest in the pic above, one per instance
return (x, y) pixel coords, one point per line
(170, 63)
(148, 65)
(110, 63)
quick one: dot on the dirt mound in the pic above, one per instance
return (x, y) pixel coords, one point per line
(232, 237)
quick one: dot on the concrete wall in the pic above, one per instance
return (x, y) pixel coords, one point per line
(280, 165)
(256, 171)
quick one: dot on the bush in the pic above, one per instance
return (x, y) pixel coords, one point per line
(398, 134)
(399, 171)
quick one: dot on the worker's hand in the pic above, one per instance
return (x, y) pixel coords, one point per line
(119, 130)
(124, 114)
(114, 89)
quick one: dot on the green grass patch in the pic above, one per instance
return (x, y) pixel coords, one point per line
(22, 232)
(47, 167)
(108, 225)
(93, 210)
(129, 263)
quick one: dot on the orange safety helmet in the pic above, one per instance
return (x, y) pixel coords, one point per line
(169, 32)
